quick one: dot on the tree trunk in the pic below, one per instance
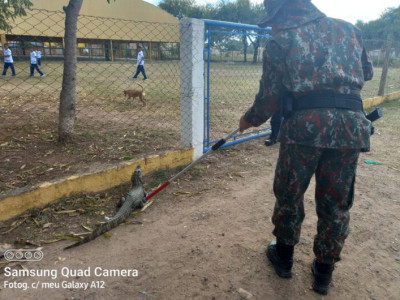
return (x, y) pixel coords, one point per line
(244, 48)
(256, 45)
(385, 69)
(68, 92)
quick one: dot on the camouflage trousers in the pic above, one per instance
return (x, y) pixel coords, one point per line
(335, 172)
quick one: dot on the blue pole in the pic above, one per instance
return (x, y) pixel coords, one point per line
(208, 86)
(235, 25)
(238, 141)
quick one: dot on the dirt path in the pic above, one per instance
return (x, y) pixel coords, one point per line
(204, 238)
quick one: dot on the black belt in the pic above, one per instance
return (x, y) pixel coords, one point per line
(328, 100)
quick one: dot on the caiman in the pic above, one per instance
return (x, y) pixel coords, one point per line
(133, 200)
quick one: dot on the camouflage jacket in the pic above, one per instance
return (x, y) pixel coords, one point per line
(311, 52)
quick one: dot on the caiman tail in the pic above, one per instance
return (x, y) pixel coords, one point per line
(103, 228)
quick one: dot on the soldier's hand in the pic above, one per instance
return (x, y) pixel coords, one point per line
(243, 124)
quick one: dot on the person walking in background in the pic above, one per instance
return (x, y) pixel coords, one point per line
(140, 64)
(8, 61)
(34, 65)
(314, 68)
(39, 56)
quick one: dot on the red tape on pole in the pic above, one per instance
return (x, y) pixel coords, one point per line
(161, 187)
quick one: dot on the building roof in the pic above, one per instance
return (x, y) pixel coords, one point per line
(133, 20)
(135, 10)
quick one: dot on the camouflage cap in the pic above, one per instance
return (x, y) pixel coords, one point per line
(272, 7)
(286, 14)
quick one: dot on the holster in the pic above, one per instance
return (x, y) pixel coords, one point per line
(372, 116)
(287, 108)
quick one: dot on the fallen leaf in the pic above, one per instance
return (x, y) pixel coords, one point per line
(36, 222)
(51, 241)
(61, 236)
(47, 225)
(66, 211)
(87, 228)
(181, 193)
(17, 223)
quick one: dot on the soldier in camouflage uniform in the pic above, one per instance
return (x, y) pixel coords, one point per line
(322, 64)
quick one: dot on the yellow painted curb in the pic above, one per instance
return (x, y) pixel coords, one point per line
(42, 194)
(370, 102)
(21, 200)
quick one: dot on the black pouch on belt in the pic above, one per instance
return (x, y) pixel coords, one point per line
(287, 105)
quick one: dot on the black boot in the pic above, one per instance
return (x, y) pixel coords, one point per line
(281, 257)
(271, 141)
(322, 276)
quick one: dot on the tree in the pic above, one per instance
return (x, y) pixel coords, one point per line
(181, 8)
(386, 25)
(68, 91)
(383, 34)
(243, 11)
(67, 112)
(10, 10)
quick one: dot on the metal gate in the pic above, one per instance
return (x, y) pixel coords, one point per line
(233, 56)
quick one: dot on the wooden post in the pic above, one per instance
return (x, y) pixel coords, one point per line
(385, 68)
(111, 50)
(150, 51)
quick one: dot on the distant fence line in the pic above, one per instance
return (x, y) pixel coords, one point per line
(377, 49)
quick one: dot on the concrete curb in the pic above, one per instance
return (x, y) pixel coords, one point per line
(370, 102)
(20, 200)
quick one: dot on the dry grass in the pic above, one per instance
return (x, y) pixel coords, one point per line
(109, 128)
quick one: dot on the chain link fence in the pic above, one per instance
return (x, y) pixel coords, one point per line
(233, 71)
(377, 50)
(109, 127)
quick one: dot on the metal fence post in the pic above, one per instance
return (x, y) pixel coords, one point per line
(192, 84)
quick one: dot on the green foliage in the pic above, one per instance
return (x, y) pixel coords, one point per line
(242, 11)
(386, 27)
(127, 155)
(182, 8)
(239, 11)
(10, 9)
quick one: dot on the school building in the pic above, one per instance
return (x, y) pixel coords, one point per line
(106, 31)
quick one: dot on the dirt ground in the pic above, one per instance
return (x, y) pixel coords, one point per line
(204, 237)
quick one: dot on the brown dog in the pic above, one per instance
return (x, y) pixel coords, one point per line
(135, 93)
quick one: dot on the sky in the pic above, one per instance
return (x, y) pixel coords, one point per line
(348, 10)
